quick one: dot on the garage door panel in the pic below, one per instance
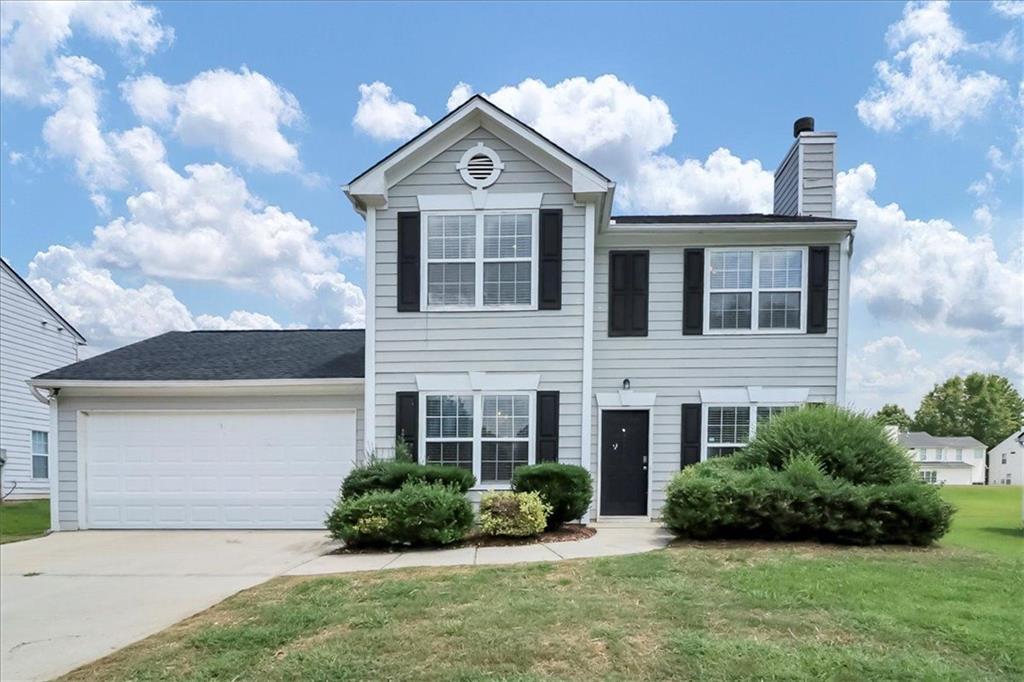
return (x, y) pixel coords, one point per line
(215, 469)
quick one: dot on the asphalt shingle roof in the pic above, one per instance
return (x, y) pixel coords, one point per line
(922, 439)
(712, 218)
(227, 355)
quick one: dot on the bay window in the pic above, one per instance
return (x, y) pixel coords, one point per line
(728, 428)
(480, 260)
(489, 434)
(755, 290)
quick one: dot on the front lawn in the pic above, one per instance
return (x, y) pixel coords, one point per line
(715, 611)
(988, 518)
(24, 520)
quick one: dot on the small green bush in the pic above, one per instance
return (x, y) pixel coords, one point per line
(567, 489)
(418, 513)
(718, 499)
(514, 514)
(848, 445)
(392, 475)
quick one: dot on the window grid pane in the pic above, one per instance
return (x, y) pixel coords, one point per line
(451, 283)
(778, 310)
(507, 283)
(780, 269)
(508, 236)
(728, 424)
(40, 442)
(765, 413)
(451, 453)
(732, 269)
(729, 311)
(505, 434)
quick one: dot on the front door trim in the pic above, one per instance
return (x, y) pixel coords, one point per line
(649, 409)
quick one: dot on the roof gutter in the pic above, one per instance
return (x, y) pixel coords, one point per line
(44, 398)
(845, 226)
(189, 383)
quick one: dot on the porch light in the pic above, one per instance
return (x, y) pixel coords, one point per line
(625, 384)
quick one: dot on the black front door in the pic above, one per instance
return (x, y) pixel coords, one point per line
(624, 463)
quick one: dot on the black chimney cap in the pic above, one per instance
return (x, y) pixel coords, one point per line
(803, 125)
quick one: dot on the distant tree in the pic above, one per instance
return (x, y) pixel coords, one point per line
(985, 406)
(892, 414)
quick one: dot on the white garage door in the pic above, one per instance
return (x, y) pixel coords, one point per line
(215, 469)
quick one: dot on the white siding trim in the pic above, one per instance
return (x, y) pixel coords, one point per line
(650, 455)
(844, 314)
(370, 358)
(478, 381)
(587, 390)
(480, 200)
(53, 464)
(754, 395)
(626, 400)
(82, 450)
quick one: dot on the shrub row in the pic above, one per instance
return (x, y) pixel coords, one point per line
(397, 502)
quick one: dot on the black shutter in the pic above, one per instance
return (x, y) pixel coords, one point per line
(547, 426)
(690, 442)
(549, 297)
(628, 285)
(693, 291)
(817, 290)
(407, 419)
(408, 262)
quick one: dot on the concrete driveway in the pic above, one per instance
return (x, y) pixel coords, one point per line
(70, 598)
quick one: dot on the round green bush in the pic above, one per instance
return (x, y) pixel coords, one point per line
(392, 475)
(418, 513)
(848, 445)
(513, 514)
(566, 488)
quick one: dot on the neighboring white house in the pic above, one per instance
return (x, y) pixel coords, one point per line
(954, 460)
(1006, 462)
(34, 338)
(511, 319)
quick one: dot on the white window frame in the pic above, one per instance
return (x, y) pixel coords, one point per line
(705, 407)
(755, 290)
(478, 426)
(45, 455)
(479, 260)
(930, 476)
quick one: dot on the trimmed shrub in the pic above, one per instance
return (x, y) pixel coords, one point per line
(567, 489)
(514, 514)
(418, 513)
(718, 499)
(392, 475)
(849, 446)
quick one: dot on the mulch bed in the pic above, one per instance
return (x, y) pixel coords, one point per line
(570, 532)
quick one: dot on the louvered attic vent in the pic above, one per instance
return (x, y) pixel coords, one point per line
(480, 167)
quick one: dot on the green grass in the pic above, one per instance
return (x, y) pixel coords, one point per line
(714, 611)
(988, 518)
(24, 520)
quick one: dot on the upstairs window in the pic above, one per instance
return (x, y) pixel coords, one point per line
(480, 260)
(755, 290)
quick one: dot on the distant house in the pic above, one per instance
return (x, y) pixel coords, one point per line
(34, 338)
(954, 460)
(1006, 462)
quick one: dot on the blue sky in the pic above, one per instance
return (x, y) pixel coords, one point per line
(207, 142)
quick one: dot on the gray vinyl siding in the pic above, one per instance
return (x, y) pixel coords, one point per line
(548, 342)
(819, 180)
(69, 406)
(787, 177)
(27, 348)
(676, 367)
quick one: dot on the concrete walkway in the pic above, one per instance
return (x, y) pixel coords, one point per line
(612, 540)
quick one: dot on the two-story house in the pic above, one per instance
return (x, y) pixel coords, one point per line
(511, 319)
(953, 460)
(1006, 461)
(34, 338)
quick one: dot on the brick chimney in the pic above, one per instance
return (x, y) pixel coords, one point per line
(805, 181)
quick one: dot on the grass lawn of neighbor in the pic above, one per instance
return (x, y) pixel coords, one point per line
(24, 520)
(714, 611)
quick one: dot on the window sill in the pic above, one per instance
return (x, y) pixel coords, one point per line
(496, 487)
(476, 309)
(757, 332)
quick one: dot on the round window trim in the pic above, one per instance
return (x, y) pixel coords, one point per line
(480, 166)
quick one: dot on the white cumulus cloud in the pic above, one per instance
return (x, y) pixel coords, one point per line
(382, 116)
(1009, 8)
(921, 81)
(32, 35)
(240, 113)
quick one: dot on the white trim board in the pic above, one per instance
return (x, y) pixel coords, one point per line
(480, 200)
(478, 381)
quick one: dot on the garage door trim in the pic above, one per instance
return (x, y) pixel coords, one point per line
(82, 437)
